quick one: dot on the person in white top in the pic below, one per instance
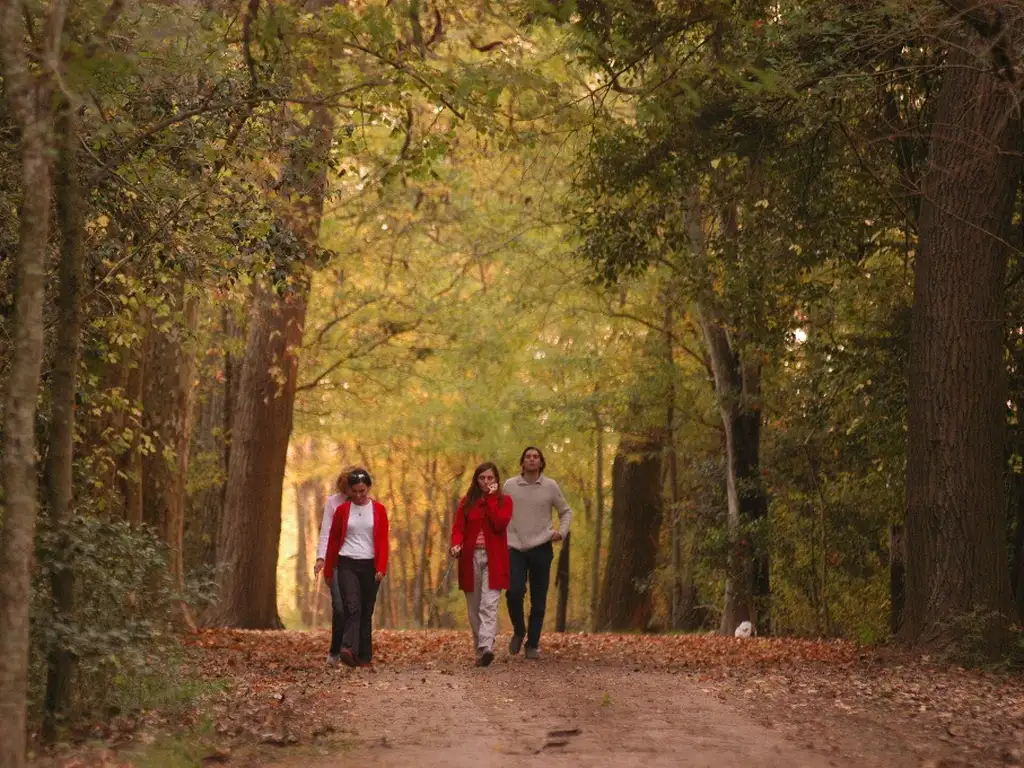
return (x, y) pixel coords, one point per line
(334, 501)
(357, 551)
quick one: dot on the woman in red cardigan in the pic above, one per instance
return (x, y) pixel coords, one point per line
(358, 548)
(480, 543)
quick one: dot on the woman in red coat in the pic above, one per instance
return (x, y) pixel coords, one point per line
(358, 547)
(480, 543)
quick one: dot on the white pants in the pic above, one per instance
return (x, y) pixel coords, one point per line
(482, 605)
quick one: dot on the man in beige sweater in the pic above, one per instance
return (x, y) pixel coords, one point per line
(530, 541)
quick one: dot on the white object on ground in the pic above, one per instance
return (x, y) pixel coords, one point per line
(745, 629)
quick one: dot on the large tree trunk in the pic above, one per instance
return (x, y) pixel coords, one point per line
(63, 387)
(250, 529)
(626, 599)
(168, 406)
(737, 388)
(261, 423)
(28, 100)
(956, 555)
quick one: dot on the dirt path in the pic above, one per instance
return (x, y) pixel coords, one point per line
(519, 713)
(597, 700)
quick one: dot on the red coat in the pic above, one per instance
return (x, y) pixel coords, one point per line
(492, 513)
(339, 527)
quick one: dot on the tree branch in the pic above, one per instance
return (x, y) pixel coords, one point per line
(252, 8)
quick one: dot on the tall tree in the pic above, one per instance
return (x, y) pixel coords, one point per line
(738, 389)
(627, 597)
(29, 80)
(168, 407)
(956, 558)
(261, 422)
(63, 387)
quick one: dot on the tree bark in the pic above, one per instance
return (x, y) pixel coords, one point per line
(595, 563)
(672, 463)
(168, 406)
(210, 447)
(261, 422)
(627, 599)
(63, 387)
(737, 388)
(955, 550)
(562, 583)
(28, 96)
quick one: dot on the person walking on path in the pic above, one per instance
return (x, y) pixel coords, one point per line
(530, 540)
(358, 547)
(334, 501)
(480, 542)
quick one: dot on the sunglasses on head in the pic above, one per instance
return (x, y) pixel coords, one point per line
(359, 477)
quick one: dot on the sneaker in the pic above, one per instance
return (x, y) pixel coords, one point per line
(333, 659)
(347, 658)
(515, 644)
(486, 658)
(533, 653)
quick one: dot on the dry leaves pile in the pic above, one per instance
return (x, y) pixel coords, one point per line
(278, 691)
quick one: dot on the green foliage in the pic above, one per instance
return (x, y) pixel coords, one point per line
(123, 631)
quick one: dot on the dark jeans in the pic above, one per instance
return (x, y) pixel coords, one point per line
(337, 614)
(358, 595)
(533, 565)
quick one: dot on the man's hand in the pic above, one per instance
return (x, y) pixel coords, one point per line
(377, 577)
(318, 566)
(455, 551)
(556, 536)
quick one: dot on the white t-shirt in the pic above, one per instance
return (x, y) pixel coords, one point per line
(334, 501)
(359, 535)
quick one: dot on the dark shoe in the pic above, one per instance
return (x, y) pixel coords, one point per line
(533, 653)
(347, 658)
(486, 658)
(515, 644)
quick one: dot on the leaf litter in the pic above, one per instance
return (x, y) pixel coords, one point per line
(277, 693)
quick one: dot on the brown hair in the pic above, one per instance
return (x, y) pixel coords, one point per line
(341, 484)
(474, 494)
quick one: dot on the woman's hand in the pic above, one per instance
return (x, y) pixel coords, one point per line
(318, 566)
(455, 551)
(377, 577)
(492, 488)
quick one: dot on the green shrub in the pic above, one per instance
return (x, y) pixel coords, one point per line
(122, 631)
